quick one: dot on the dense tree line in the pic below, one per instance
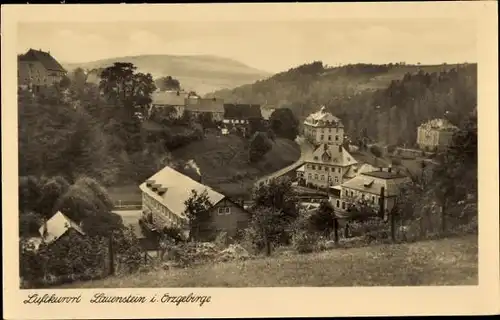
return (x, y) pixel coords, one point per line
(390, 113)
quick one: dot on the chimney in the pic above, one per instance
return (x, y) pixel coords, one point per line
(155, 186)
(161, 191)
(149, 183)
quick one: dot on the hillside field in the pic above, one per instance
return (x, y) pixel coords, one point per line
(452, 261)
(223, 162)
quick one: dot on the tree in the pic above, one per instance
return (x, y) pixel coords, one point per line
(259, 146)
(323, 220)
(51, 191)
(265, 228)
(168, 83)
(376, 151)
(127, 89)
(197, 211)
(284, 123)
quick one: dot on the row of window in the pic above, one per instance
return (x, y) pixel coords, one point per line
(160, 208)
(332, 169)
(322, 177)
(363, 196)
(223, 211)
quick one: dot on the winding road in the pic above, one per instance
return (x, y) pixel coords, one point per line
(306, 149)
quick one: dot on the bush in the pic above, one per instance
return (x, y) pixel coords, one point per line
(372, 228)
(396, 161)
(304, 241)
(376, 151)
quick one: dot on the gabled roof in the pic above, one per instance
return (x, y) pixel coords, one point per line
(204, 105)
(358, 169)
(242, 111)
(372, 183)
(177, 189)
(57, 226)
(332, 155)
(169, 98)
(44, 58)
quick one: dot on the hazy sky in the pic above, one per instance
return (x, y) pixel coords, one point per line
(270, 46)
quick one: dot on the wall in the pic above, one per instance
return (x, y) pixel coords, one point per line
(162, 216)
(318, 135)
(228, 217)
(33, 72)
(319, 170)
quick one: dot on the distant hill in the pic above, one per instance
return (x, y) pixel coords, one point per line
(201, 73)
(353, 92)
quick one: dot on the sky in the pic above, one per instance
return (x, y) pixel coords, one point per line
(271, 46)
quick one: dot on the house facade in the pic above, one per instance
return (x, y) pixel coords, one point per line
(369, 187)
(163, 205)
(239, 116)
(327, 166)
(37, 68)
(435, 134)
(197, 106)
(323, 127)
(173, 100)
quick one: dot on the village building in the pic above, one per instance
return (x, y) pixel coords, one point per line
(369, 186)
(240, 116)
(163, 205)
(435, 134)
(173, 100)
(53, 229)
(197, 106)
(323, 127)
(327, 166)
(37, 68)
(266, 114)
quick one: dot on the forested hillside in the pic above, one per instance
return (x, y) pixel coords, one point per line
(383, 102)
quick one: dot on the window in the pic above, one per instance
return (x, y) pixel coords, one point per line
(343, 205)
(352, 194)
(228, 210)
(346, 193)
(322, 177)
(329, 138)
(363, 196)
(333, 170)
(322, 137)
(309, 176)
(373, 199)
(316, 177)
(220, 211)
(336, 138)
(338, 203)
(313, 167)
(336, 180)
(319, 167)
(326, 168)
(340, 170)
(315, 158)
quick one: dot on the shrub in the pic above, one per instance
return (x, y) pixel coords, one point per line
(376, 151)
(304, 241)
(374, 227)
(396, 161)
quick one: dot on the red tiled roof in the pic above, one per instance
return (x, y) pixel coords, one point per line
(44, 58)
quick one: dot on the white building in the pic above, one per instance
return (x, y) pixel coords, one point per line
(323, 127)
(435, 134)
(368, 186)
(327, 166)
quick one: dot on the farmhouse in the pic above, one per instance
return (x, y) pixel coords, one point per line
(197, 106)
(173, 100)
(163, 205)
(37, 68)
(323, 127)
(435, 134)
(373, 187)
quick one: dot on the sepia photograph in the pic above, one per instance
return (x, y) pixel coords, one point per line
(328, 152)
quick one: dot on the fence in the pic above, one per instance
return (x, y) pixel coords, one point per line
(127, 205)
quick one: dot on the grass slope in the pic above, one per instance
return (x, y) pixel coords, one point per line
(199, 73)
(440, 262)
(223, 161)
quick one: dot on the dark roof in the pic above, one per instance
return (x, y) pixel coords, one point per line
(384, 174)
(44, 58)
(242, 111)
(204, 104)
